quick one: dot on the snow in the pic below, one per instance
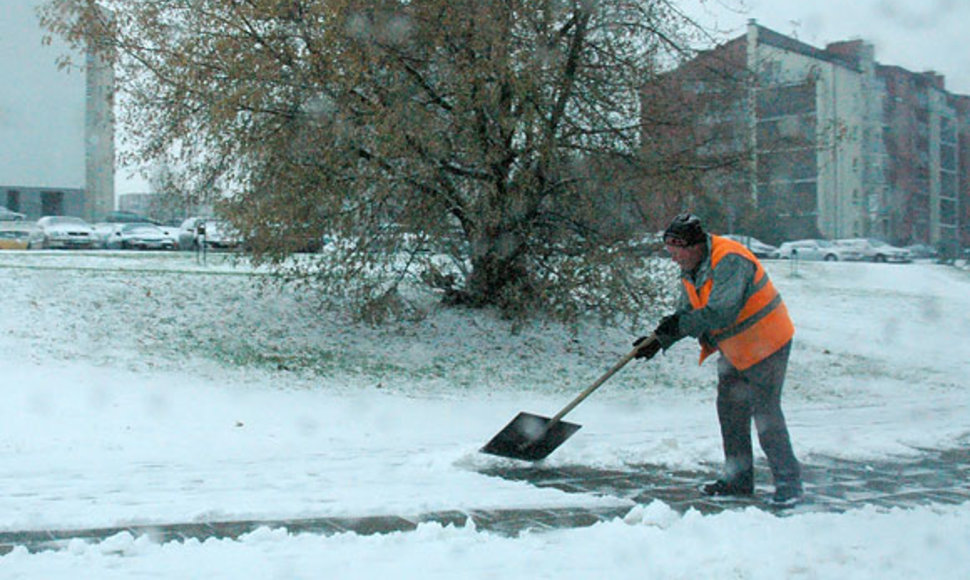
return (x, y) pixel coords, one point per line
(145, 389)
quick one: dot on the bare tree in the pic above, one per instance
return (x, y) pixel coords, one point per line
(407, 130)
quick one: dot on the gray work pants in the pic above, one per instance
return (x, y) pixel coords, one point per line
(755, 393)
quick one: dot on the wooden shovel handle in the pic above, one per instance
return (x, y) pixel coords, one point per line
(589, 390)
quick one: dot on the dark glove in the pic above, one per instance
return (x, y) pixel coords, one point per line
(668, 331)
(647, 347)
(669, 326)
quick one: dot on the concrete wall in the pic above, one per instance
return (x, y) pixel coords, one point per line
(56, 126)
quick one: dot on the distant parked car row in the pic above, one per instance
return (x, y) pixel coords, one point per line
(122, 230)
(850, 249)
(68, 232)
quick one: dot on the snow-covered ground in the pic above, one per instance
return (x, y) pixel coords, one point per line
(150, 389)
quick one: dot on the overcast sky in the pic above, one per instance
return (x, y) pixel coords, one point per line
(918, 35)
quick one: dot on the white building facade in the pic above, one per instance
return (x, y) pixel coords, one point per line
(56, 126)
(824, 98)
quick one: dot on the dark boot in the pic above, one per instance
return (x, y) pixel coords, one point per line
(729, 488)
(786, 495)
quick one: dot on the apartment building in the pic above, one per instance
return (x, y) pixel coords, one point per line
(921, 133)
(837, 144)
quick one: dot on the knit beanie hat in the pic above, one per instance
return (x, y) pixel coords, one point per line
(684, 230)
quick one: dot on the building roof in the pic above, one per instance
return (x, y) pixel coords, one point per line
(778, 40)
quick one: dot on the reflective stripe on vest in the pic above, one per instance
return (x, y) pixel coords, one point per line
(762, 326)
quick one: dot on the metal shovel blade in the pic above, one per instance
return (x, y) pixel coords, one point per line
(530, 437)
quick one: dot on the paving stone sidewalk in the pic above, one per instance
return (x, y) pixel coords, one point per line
(831, 485)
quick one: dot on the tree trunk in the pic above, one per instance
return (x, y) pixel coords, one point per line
(497, 277)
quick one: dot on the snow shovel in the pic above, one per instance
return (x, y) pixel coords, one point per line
(531, 437)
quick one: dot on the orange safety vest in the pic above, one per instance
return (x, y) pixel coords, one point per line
(763, 325)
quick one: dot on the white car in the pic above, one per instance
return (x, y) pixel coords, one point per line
(756, 246)
(171, 232)
(7, 215)
(216, 234)
(877, 250)
(139, 236)
(65, 232)
(815, 249)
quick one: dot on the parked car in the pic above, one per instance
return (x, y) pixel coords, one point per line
(922, 251)
(65, 232)
(136, 236)
(7, 215)
(103, 232)
(815, 249)
(15, 236)
(875, 250)
(171, 232)
(217, 234)
(756, 246)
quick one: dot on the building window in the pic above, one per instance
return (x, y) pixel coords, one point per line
(792, 165)
(51, 202)
(948, 131)
(948, 212)
(786, 100)
(948, 184)
(948, 157)
(787, 132)
(13, 200)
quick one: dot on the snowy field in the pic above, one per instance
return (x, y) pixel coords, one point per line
(149, 389)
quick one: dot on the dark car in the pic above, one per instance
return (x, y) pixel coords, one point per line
(922, 251)
(127, 217)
